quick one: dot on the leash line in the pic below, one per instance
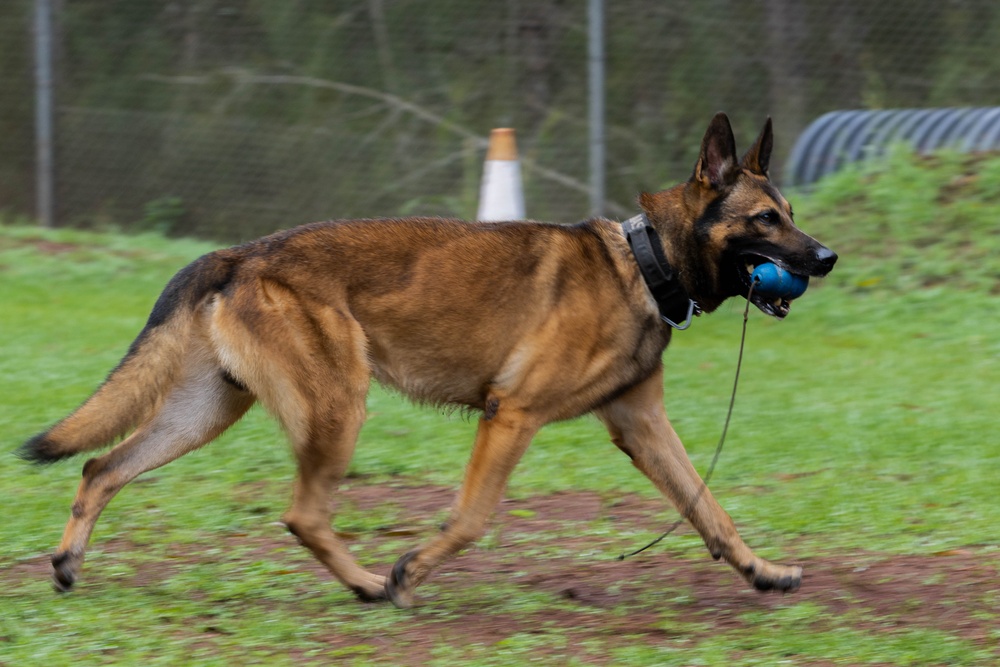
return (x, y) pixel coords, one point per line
(718, 447)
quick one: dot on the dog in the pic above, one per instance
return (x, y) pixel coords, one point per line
(522, 322)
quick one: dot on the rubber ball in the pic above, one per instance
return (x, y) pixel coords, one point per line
(773, 281)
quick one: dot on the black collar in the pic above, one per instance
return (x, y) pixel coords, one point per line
(676, 307)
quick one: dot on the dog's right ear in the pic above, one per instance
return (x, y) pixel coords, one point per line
(717, 165)
(758, 157)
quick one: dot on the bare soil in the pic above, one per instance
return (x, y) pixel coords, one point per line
(602, 598)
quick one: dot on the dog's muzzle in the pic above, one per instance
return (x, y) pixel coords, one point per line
(818, 265)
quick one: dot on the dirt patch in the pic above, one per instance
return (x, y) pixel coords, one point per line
(52, 248)
(60, 248)
(658, 598)
(42, 245)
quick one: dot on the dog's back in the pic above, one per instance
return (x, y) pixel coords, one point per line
(449, 309)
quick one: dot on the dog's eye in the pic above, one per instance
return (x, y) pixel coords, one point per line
(769, 217)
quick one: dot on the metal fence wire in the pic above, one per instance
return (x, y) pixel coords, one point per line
(232, 118)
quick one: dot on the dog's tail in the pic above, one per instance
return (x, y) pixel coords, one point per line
(136, 387)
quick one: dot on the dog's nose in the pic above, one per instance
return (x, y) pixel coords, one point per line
(826, 257)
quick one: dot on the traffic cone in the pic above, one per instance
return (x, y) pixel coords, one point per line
(501, 194)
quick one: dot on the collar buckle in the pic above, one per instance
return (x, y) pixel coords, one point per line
(671, 298)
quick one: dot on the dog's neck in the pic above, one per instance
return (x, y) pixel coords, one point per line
(662, 279)
(671, 214)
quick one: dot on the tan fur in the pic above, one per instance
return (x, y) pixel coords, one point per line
(526, 322)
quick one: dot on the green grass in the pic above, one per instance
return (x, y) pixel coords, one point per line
(865, 423)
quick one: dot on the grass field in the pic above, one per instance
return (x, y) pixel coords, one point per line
(863, 447)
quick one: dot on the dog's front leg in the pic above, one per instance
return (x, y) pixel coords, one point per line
(503, 436)
(639, 426)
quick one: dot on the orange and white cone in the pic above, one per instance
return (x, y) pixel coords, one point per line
(501, 194)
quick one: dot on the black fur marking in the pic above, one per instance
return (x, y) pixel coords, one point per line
(229, 379)
(295, 533)
(63, 580)
(171, 296)
(628, 452)
(91, 468)
(397, 584)
(762, 584)
(63, 574)
(365, 596)
(492, 405)
(771, 191)
(207, 274)
(398, 576)
(41, 451)
(641, 374)
(559, 286)
(713, 214)
(605, 255)
(527, 260)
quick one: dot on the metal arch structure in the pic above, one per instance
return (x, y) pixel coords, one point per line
(839, 138)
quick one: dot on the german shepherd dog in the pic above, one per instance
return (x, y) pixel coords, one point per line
(523, 322)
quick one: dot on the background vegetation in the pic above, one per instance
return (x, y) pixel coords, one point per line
(864, 430)
(250, 115)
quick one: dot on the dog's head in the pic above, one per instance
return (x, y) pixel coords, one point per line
(728, 218)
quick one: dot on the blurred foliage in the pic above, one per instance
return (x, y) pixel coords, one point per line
(908, 221)
(261, 114)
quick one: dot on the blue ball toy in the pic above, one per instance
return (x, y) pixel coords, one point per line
(773, 281)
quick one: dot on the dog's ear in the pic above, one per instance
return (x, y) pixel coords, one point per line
(717, 167)
(758, 158)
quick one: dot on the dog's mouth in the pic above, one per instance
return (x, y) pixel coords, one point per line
(775, 306)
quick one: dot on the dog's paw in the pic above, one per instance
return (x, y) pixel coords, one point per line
(373, 591)
(399, 584)
(768, 577)
(64, 569)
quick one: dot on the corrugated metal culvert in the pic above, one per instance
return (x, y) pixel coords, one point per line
(841, 137)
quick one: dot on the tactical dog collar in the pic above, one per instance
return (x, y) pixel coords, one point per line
(676, 307)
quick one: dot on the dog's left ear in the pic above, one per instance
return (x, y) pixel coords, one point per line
(758, 157)
(717, 167)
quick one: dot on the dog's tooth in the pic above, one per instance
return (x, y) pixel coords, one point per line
(776, 303)
(750, 267)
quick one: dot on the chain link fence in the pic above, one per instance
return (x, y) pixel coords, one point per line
(232, 118)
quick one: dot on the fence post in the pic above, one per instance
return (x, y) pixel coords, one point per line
(44, 149)
(595, 53)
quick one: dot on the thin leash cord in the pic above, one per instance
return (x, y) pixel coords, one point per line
(718, 447)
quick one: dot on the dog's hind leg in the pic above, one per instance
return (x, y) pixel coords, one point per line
(323, 457)
(308, 365)
(639, 426)
(500, 442)
(201, 406)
